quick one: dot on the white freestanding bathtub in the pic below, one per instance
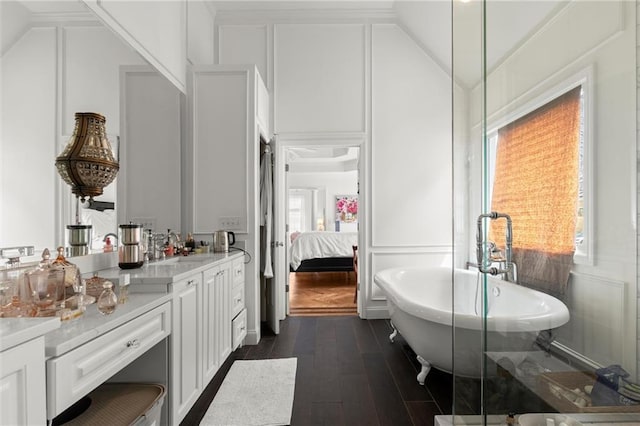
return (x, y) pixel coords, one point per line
(421, 309)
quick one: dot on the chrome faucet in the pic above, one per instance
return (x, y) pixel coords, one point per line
(175, 240)
(507, 267)
(110, 234)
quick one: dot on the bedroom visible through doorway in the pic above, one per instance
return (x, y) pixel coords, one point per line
(322, 218)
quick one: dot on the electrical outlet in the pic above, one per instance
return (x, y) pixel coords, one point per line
(230, 223)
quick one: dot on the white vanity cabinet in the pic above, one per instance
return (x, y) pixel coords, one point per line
(22, 373)
(22, 370)
(186, 377)
(216, 338)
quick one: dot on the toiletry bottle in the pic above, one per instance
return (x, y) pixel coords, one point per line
(108, 300)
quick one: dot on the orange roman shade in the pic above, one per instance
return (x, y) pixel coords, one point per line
(536, 183)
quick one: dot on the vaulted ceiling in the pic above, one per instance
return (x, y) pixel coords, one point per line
(428, 22)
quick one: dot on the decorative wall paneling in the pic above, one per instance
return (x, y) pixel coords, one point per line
(149, 177)
(316, 62)
(376, 305)
(319, 78)
(638, 169)
(569, 46)
(200, 35)
(596, 328)
(156, 30)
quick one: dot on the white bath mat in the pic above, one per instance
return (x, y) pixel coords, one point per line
(256, 393)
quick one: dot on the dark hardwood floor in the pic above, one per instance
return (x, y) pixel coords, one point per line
(348, 374)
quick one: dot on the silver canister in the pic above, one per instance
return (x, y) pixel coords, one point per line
(79, 235)
(131, 233)
(131, 246)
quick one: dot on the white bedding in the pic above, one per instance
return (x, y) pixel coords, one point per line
(320, 244)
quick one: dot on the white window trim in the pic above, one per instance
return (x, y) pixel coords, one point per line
(533, 100)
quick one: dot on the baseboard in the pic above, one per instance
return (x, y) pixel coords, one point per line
(376, 312)
(573, 358)
(252, 338)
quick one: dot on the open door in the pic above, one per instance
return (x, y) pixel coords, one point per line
(281, 262)
(270, 198)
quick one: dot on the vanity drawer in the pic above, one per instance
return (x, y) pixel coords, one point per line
(237, 271)
(237, 299)
(238, 329)
(74, 374)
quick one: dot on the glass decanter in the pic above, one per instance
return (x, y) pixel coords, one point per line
(107, 301)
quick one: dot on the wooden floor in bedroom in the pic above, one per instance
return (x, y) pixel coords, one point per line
(322, 293)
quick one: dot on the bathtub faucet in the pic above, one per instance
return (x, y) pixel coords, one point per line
(483, 264)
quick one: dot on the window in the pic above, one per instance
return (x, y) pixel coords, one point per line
(300, 206)
(538, 179)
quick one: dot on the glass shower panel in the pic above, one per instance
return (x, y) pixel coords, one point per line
(469, 201)
(545, 132)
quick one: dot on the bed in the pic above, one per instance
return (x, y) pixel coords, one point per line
(322, 251)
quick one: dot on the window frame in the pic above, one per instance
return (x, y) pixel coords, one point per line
(531, 101)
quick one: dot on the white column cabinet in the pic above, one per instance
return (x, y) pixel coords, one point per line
(228, 115)
(186, 377)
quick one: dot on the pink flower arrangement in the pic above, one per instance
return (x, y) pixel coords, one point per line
(347, 208)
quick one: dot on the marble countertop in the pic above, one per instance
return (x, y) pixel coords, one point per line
(169, 270)
(92, 323)
(15, 331)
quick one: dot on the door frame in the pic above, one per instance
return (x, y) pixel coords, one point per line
(281, 187)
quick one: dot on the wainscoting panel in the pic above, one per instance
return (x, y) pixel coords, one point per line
(597, 323)
(435, 256)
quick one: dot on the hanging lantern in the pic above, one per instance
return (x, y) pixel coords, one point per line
(87, 163)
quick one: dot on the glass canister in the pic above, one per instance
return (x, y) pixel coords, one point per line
(131, 246)
(72, 278)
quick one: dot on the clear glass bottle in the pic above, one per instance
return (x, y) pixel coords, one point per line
(107, 301)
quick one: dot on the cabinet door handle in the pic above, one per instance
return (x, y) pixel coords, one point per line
(238, 300)
(133, 343)
(190, 282)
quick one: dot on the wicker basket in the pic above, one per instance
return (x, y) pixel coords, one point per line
(555, 388)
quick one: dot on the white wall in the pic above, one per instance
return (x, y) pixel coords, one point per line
(157, 30)
(334, 183)
(47, 76)
(601, 35)
(334, 83)
(638, 157)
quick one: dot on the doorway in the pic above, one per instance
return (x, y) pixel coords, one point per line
(322, 221)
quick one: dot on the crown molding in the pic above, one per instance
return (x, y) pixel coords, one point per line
(304, 16)
(52, 18)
